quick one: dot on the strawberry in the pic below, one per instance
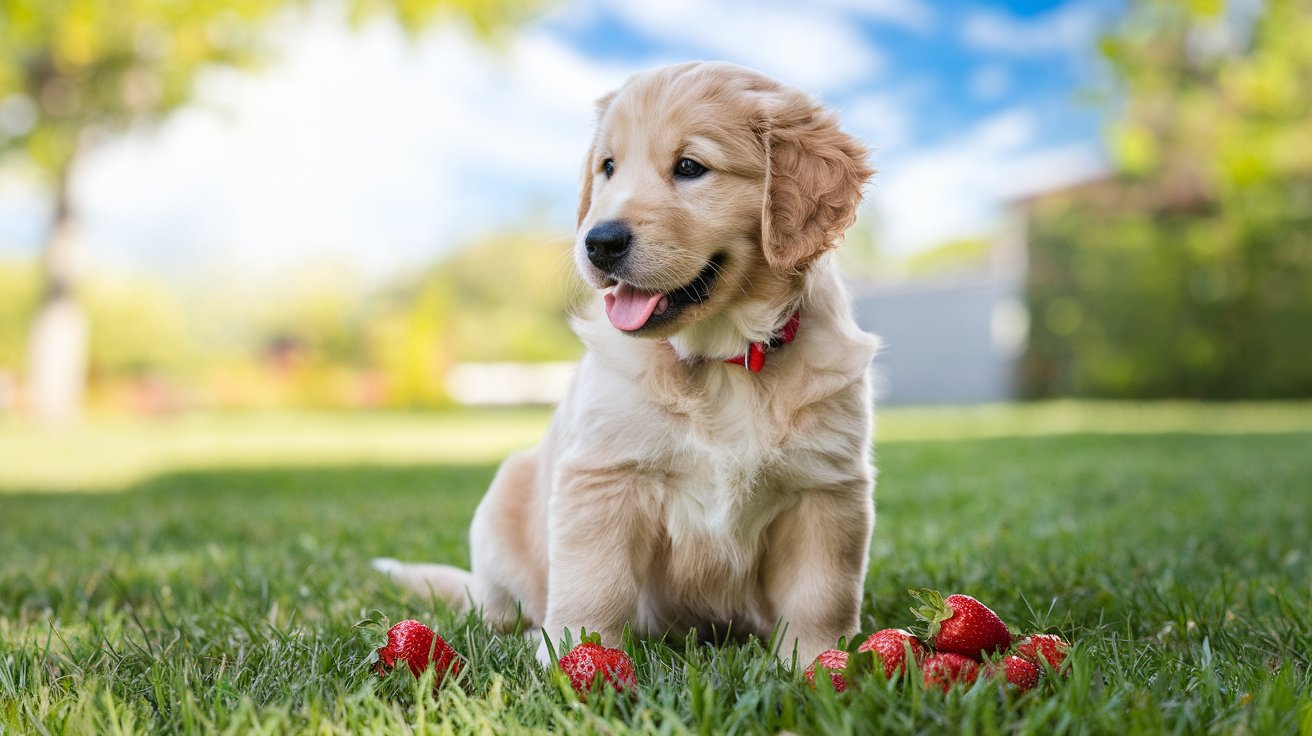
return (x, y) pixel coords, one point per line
(583, 663)
(414, 644)
(890, 647)
(834, 660)
(961, 624)
(945, 669)
(1044, 647)
(1022, 673)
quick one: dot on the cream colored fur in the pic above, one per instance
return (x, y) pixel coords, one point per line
(673, 491)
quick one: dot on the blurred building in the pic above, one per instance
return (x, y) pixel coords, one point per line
(509, 384)
(954, 337)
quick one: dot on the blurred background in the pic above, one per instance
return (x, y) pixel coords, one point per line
(286, 209)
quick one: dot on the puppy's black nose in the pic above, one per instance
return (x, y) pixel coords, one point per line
(607, 242)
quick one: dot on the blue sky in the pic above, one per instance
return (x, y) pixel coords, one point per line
(364, 149)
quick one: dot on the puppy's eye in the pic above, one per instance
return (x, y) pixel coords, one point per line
(608, 167)
(688, 169)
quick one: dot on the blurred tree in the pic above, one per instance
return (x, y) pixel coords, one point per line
(861, 256)
(964, 254)
(506, 297)
(510, 297)
(1190, 272)
(18, 298)
(137, 326)
(407, 345)
(75, 71)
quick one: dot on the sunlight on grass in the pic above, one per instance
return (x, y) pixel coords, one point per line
(1094, 417)
(110, 453)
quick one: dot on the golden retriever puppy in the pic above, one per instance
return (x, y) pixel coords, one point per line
(710, 467)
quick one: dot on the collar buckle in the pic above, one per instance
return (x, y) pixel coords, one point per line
(754, 359)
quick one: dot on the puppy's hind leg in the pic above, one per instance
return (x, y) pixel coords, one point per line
(448, 584)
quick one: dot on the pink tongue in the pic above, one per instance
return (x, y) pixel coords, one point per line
(630, 308)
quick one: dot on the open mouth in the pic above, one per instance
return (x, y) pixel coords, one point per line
(632, 309)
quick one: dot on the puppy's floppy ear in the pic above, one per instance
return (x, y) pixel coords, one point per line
(814, 175)
(585, 192)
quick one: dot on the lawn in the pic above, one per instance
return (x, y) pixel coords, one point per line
(216, 590)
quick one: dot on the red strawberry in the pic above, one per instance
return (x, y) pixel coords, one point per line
(834, 660)
(582, 663)
(1022, 673)
(1040, 647)
(961, 624)
(946, 669)
(414, 644)
(891, 646)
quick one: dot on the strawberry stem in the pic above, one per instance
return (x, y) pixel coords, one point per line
(932, 610)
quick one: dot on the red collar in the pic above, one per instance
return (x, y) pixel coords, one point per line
(754, 359)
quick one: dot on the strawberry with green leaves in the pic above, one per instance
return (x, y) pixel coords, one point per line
(960, 624)
(412, 645)
(590, 664)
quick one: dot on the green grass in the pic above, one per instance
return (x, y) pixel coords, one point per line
(114, 452)
(222, 599)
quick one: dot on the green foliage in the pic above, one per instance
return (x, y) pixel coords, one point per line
(322, 315)
(955, 255)
(18, 299)
(510, 298)
(503, 298)
(1190, 274)
(69, 68)
(408, 346)
(79, 66)
(222, 600)
(136, 326)
(318, 339)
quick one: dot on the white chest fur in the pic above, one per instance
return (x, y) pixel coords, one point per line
(722, 489)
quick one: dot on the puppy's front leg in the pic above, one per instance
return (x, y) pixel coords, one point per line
(601, 534)
(814, 572)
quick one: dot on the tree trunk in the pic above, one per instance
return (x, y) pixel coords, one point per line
(57, 355)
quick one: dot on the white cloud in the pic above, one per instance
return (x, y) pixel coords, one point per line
(817, 50)
(362, 146)
(958, 188)
(989, 82)
(881, 120)
(1067, 29)
(356, 145)
(910, 14)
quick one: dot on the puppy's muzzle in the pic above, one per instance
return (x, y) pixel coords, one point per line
(607, 243)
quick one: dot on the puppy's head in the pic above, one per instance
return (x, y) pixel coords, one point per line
(708, 184)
